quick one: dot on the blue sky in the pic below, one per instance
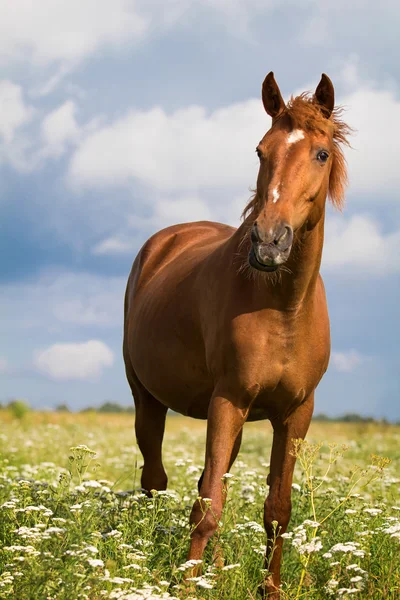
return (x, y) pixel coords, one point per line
(119, 118)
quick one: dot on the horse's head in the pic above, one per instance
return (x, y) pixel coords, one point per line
(300, 163)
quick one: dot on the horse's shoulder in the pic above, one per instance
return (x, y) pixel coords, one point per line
(170, 243)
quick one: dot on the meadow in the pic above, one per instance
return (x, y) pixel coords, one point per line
(75, 525)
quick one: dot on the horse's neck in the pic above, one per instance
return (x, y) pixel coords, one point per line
(294, 285)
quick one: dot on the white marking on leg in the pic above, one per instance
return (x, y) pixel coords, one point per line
(295, 136)
(275, 194)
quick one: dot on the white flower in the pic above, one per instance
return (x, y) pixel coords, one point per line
(113, 534)
(314, 546)
(296, 487)
(201, 582)
(95, 562)
(311, 523)
(91, 549)
(189, 564)
(229, 567)
(373, 511)
(347, 547)
(332, 583)
(393, 529)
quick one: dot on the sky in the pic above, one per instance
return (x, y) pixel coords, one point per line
(120, 118)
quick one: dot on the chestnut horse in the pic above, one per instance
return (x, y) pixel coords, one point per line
(231, 325)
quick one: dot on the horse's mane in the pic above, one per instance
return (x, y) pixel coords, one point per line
(304, 113)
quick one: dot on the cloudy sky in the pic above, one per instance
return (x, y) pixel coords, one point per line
(118, 118)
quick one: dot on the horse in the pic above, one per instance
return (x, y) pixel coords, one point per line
(231, 325)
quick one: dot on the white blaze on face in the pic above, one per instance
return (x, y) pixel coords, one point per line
(295, 136)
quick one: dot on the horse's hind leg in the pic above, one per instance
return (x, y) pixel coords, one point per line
(149, 428)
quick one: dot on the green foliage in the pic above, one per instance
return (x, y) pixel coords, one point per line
(18, 408)
(110, 407)
(73, 526)
(62, 408)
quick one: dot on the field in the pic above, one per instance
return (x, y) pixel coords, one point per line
(72, 528)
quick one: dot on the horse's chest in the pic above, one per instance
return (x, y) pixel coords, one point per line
(286, 366)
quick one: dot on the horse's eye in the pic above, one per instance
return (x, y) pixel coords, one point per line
(322, 156)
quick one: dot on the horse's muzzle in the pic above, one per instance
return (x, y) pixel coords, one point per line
(272, 249)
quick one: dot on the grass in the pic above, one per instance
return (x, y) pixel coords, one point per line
(72, 527)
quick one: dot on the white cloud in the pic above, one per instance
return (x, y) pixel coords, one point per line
(14, 115)
(58, 300)
(60, 128)
(347, 361)
(191, 149)
(359, 244)
(74, 361)
(114, 245)
(53, 30)
(13, 110)
(187, 150)
(374, 113)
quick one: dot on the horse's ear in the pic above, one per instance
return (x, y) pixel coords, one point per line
(271, 96)
(325, 95)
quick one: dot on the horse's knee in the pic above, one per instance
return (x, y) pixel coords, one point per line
(277, 509)
(204, 520)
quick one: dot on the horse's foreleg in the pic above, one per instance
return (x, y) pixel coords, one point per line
(235, 452)
(277, 508)
(225, 422)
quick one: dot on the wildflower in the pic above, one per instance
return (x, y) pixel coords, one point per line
(393, 529)
(331, 585)
(201, 582)
(229, 567)
(95, 562)
(373, 511)
(114, 533)
(189, 564)
(82, 449)
(91, 483)
(311, 523)
(313, 546)
(347, 547)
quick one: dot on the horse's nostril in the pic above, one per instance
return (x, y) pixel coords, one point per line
(284, 236)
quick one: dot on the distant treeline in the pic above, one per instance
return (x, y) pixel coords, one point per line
(20, 407)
